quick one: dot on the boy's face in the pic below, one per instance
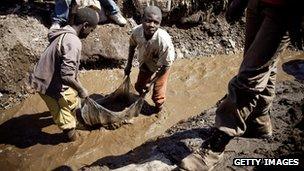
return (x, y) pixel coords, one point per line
(151, 23)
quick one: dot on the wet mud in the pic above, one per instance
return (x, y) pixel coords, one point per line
(166, 151)
(30, 140)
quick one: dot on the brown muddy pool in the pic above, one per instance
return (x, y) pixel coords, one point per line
(30, 140)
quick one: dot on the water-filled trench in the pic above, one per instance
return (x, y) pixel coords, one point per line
(31, 141)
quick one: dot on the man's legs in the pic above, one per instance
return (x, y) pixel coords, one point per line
(61, 13)
(63, 111)
(245, 88)
(114, 12)
(256, 75)
(110, 6)
(258, 122)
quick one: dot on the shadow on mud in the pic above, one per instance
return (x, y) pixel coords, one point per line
(175, 152)
(26, 131)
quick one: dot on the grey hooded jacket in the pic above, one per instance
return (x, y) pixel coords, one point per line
(58, 60)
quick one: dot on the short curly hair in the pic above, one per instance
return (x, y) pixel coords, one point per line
(86, 15)
(152, 10)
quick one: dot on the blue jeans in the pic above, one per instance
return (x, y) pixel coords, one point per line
(110, 6)
(61, 11)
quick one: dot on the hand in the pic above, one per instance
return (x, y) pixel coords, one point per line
(83, 93)
(127, 70)
(235, 10)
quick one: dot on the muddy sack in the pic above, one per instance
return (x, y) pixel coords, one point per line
(117, 107)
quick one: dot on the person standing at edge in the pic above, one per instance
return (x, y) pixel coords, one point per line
(55, 76)
(62, 10)
(155, 55)
(245, 110)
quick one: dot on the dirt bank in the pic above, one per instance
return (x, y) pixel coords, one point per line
(22, 40)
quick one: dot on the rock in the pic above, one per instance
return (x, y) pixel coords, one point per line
(107, 41)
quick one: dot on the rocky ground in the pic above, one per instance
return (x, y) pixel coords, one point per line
(20, 48)
(165, 152)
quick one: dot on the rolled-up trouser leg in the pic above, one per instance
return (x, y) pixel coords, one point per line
(259, 120)
(254, 74)
(63, 109)
(159, 89)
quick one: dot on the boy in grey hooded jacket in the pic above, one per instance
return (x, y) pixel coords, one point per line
(55, 76)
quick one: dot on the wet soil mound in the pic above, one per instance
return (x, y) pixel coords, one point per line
(22, 40)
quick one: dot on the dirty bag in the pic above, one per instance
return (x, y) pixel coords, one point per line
(117, 107)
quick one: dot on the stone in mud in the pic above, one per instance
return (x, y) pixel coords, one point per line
(107, 42)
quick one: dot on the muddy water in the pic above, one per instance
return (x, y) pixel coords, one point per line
(30, 140)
